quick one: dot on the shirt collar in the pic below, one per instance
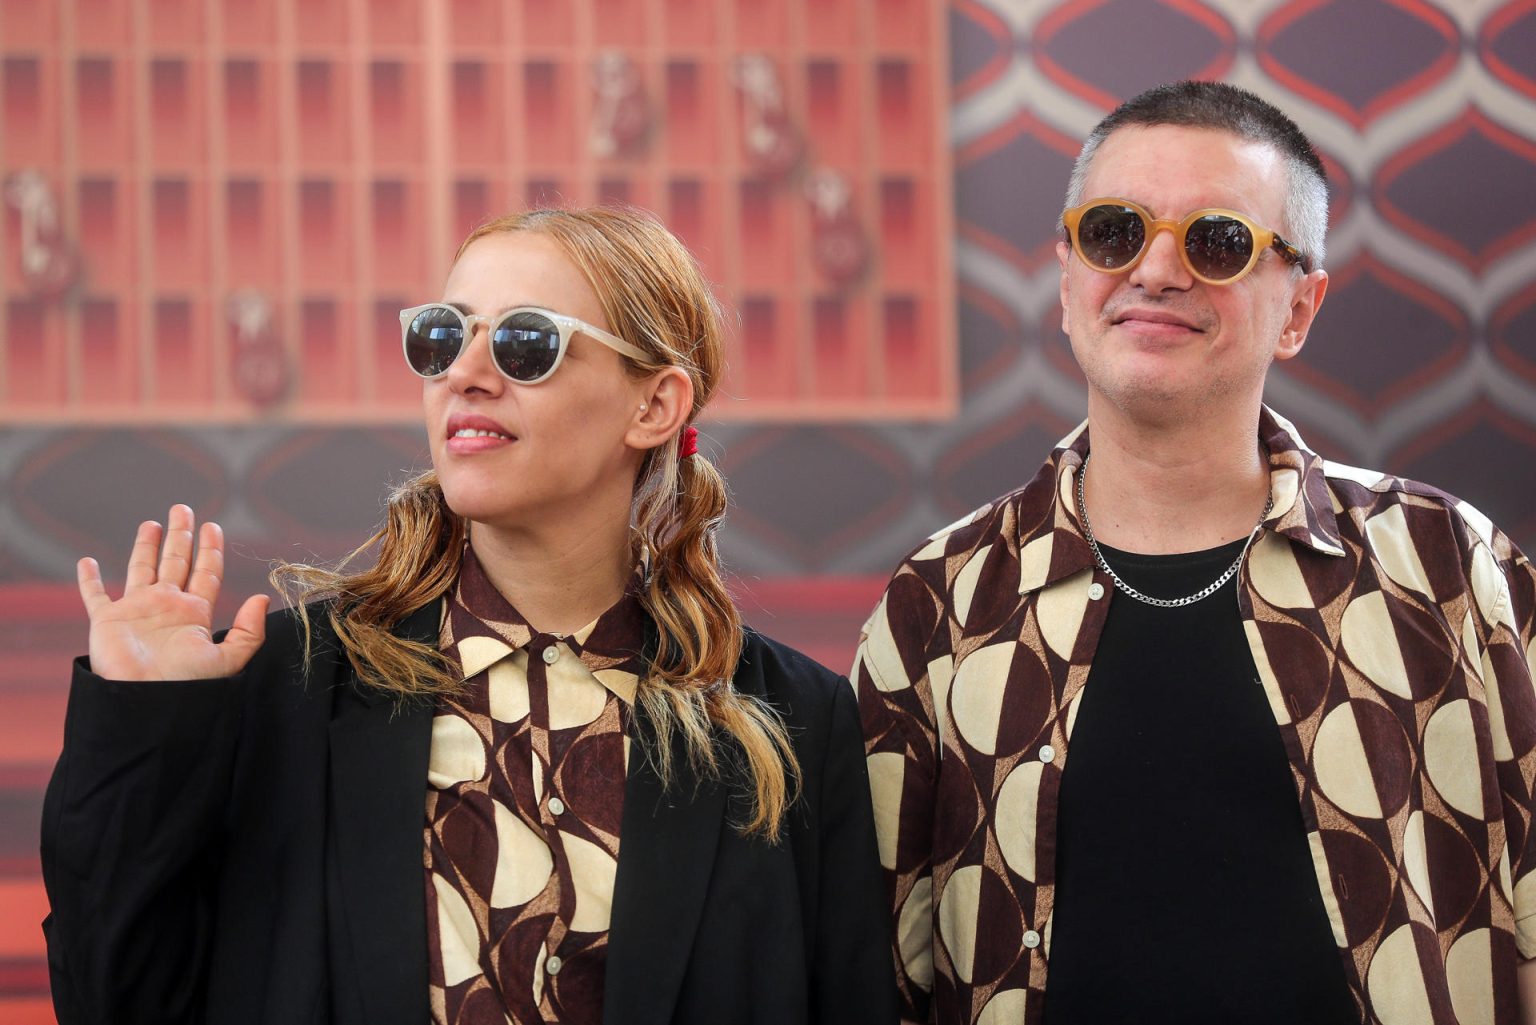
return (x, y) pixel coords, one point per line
(1051, 542)
(481, 628)
(1303, 509)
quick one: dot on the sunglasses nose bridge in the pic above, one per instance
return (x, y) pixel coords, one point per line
(474, 365)
(1150, 259)
(1155, 226)
(473, 323)
(478, 329)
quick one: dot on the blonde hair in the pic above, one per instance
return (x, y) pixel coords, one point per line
(655, 297)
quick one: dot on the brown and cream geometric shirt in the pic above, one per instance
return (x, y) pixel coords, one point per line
(525, 796)
(1392, 627)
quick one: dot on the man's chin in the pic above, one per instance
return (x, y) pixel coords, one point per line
(1161, 402)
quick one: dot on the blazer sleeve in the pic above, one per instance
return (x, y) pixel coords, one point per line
(129, 845)
(854, 979)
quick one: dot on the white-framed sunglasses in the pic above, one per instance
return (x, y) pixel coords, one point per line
(527, 342)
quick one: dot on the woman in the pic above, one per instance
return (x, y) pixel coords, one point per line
(527, 767)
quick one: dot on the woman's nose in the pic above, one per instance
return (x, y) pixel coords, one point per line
(474, 369)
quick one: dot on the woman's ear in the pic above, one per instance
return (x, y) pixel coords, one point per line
(662, 406)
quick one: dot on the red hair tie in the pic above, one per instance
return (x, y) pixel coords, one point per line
(689, 446)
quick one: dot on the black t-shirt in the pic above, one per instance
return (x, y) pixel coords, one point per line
(1185, 890)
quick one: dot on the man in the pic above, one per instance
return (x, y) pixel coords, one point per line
(1197, 726)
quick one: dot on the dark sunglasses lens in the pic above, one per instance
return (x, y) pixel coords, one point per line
(1218, 247)
(526, 346)
(433, 340)
(1110, 236)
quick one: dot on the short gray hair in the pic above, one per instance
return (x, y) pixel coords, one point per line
(1227, 108)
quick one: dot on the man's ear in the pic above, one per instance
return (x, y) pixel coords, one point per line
(1305, 302)
(663, 404)
(1063, 253)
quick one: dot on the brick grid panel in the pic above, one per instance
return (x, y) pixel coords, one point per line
(324, 157)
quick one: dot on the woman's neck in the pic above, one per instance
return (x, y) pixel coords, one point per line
(560, 578)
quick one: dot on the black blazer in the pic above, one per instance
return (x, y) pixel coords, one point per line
(249, 850)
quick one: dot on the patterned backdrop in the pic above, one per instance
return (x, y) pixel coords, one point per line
(1423, 362)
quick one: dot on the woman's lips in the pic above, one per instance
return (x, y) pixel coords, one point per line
(461, 445)
(471, 433)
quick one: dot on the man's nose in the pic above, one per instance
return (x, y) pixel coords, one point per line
(1162, 267)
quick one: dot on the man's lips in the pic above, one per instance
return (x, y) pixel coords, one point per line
(470, 432)
(1155, 320)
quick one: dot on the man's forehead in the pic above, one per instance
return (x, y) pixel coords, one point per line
(1154, 164)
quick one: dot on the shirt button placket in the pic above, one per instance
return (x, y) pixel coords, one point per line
(549, 656)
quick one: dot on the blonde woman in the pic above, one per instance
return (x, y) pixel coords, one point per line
(529, 766)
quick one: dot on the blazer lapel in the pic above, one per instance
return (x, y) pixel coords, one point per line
(379, 752)
(667, 845)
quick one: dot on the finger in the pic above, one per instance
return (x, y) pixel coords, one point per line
(92, 592)
(208, 570)
(146, 549)
(176, 553)
(245, 634)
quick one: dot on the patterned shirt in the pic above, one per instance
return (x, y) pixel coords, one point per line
(525, 794)
(1392, 627)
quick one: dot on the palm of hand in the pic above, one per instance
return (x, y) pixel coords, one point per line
(157, 634)
(161, 628)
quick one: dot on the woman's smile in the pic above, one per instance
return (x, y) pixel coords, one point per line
(470, 433)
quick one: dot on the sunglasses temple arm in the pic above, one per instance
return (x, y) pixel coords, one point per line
(1290, 253)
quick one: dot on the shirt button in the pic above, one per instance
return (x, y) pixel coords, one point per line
(552, 963)
(1095, 591)
(552, 653)
(1047, 753)
(1031, 940)
(556, 806)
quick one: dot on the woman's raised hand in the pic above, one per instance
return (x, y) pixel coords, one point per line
(162, 626)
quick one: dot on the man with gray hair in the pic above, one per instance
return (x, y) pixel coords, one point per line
(1197, 726)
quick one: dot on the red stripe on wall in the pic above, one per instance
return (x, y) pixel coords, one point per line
(23, 905)
(27, 1011)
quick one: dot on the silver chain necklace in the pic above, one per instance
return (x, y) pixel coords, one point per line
(1162, 603)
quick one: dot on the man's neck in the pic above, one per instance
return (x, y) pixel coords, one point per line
(559, 579)
(1175, 487)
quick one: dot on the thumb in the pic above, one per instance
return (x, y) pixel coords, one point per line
(246, 633)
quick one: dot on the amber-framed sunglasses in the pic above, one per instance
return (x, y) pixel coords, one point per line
(527, 342)
(1218, 247)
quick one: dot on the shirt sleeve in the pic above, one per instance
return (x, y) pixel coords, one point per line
(892, 675)
(130, 822)
(1504, 589)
